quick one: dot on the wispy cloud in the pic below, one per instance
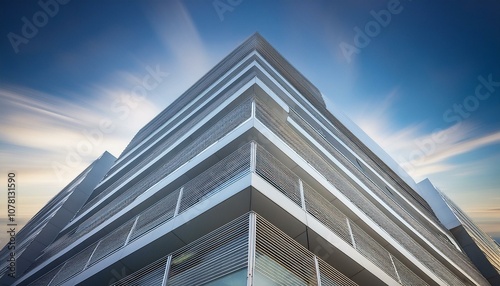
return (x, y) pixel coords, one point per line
(421, 153)
(39, 121)
(39, 130)
(487, 211)
(185, 52)
(440, 156)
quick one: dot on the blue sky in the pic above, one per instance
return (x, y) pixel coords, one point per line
(422, 78)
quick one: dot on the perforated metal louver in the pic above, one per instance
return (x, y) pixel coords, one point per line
(211, 257)
(73, 266)
(46, 278)
(281, 259)
(277, 175)
(156, 214)
(229, 122)
(324, 167)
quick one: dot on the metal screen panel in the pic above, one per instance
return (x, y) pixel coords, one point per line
(327, 169)
(281, 260)
(278, 175)
(111, 243)
(54, 248)
(326, 213)
(216, 177)
(46, 278)
(332, 277)
(407, 276)
(73, 266)
(373, 251)
(151, 275)
(156, 214)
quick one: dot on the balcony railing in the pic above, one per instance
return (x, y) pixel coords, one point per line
(329, 171)
(325, 212)
(248, 248)
(216, 179)
(164, 139)
(211, 135)
(421, 225)
(197, 190)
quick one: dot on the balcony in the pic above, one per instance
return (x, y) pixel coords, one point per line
(250, 178)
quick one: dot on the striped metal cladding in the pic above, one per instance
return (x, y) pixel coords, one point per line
(330, 216)
(220, 174)
(327, 169)
(211, 135)
(216, 178)
(224, 252)
(421, 225)
(168, 137)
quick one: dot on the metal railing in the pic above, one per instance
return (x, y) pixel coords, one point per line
(195, 191)
(215, 179)
(225, 256)
(329, 172)
(421, 225)
(330, 216)
(211, 135)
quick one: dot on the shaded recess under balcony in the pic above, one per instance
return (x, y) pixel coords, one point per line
(250, 178)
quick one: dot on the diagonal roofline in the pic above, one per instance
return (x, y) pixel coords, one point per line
(254, 43)
(257, 43)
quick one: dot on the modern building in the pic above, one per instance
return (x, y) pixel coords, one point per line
(247, 179)
(479, 247)
(42, 229)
